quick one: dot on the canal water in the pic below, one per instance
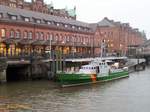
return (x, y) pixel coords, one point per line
(125, 95)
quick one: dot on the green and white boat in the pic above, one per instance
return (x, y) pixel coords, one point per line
(97, 70)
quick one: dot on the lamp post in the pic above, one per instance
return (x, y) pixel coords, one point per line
(50, 45)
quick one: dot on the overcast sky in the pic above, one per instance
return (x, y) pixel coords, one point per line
(135, 12)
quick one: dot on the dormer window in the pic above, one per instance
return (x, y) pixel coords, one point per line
(57, 24)
(13, 17)
(79, 28)
(48, 22)
(66, 25)
(73, 27)
(38, 21)
(26, 19)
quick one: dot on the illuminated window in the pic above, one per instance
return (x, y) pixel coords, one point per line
(12, 5)
(3, 32)
(112, 45)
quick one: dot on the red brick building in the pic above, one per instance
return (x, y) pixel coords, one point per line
(40, 6)
(116, 35)
(27, 28)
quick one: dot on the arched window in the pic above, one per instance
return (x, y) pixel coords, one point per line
(12, 34)
(25, 34)
(60, 38)
(3, 32)
(52, 37)
(30, 35)
(18, 34)
(41, 36)
(56, 37)
(47, 36)
(67, 38)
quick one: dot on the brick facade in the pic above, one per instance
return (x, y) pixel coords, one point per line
(25, 30)
(117, 36)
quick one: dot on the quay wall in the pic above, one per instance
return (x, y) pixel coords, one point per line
(3, 67)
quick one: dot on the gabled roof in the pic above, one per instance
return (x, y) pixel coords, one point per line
(42, 16)
(106, 22)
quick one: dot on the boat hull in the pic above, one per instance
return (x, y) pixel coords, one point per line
(66, 80)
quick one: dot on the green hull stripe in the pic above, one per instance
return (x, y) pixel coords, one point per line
(80, 79)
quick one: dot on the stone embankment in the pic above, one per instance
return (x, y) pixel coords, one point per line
(3, 67)
(136, 64)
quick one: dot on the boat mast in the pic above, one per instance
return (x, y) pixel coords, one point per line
(102, 48)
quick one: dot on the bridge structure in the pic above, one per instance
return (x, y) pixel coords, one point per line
(144, 51)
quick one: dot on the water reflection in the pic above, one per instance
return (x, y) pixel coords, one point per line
(126, 95)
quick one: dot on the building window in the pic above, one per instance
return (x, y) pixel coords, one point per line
(37, 35)
(38, 21)
(48, 22)
(56, 38)
(18, 34)
(26, 19)
(3, 32)
(12, 34)
(68, 38)
(13, 17)
(25, 34)
(73, 27)
(57, 24)
(51, 37)
(12, 5)
(42, 36)
(66, 25)
(30, 35)
(79, 28)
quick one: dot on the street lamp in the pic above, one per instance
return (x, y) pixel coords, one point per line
(50, 45)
